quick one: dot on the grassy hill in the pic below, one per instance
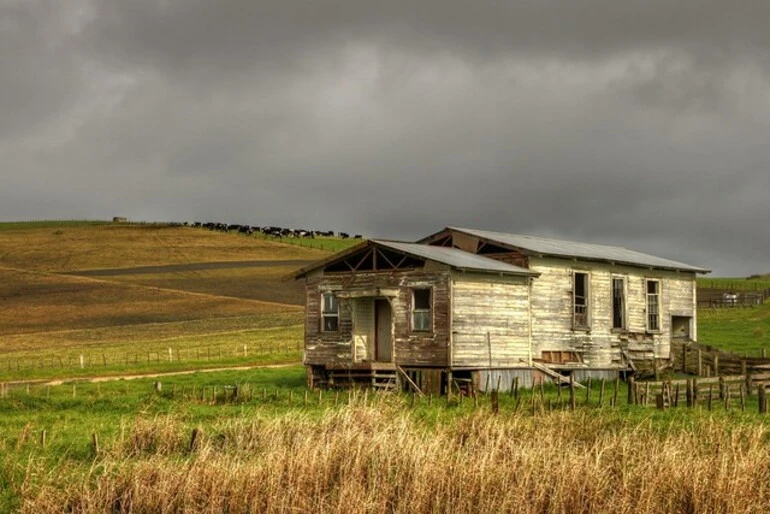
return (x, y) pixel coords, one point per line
(752, 283)
(744, 330)
(84, 288)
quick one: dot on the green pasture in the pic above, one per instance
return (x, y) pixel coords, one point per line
(238, 347)
(743, 330)
(329, 244)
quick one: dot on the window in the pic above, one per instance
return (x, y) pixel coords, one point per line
(421, 318)
(618, 303)
(330, 313)
(653, 305)
(580, 300)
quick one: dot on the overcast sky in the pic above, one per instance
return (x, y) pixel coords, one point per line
(641, 123)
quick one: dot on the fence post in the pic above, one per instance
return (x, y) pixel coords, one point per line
(588, 391)
(762, 399)
(695, 391)
(630, 391)
(700, 362)
(743, 398)
(716, 365)
(748, 384)
(572, 391)
(601, 392)
(195, 439)
(684, 358)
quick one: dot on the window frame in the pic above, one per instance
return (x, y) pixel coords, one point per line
(587, 300)
(329, 314)
(624, 303)
(413, 310)
(647, 297)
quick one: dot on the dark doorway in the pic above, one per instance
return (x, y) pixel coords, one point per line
(383, 331)
(680, 327)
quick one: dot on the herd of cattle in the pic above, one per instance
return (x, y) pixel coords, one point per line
(271, 231)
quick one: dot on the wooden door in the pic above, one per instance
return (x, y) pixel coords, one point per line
(383, 331)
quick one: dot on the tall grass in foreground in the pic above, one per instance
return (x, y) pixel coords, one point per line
(382, 458)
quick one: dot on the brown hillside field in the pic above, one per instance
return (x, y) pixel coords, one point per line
(44, 312)
(255, 283)
(124, 246)
(36, 302)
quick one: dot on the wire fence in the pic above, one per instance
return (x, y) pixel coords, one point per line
(156, 356)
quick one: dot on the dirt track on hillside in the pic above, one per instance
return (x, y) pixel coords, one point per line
(132, 376)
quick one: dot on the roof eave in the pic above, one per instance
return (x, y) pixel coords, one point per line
(499, 272)
(302, 272)
(626, 263)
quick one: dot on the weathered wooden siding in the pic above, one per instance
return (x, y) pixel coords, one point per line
(409, 348)
(600, 346)
(489, 321)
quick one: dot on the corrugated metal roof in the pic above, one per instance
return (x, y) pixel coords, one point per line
(456, 258)
(555, 247)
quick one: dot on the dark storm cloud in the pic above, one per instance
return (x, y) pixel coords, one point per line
(640, 123)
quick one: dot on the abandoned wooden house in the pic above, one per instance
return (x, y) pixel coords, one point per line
(475, 308)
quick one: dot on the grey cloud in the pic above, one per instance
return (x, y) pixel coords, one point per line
(640, 123)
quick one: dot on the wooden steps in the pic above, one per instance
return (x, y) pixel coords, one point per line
(378, 379)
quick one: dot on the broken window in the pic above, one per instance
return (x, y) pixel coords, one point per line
(421, 310)
(653, 305)
(618, 303)
(580, 300)
(330, 313)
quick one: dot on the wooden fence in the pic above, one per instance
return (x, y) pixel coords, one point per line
(703, 360)
(715, 298)
(695, 391)
(92, 360)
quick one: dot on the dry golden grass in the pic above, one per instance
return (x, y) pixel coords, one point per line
(384, 459)
(86, 247)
